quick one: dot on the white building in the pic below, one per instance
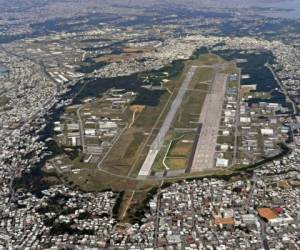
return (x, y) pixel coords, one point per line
(221, 162)
(90, 131)
(267, 131)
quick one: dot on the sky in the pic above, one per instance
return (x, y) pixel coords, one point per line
(292, 5)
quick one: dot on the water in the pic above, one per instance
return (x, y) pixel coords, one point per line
(259, 74)
(291, 8)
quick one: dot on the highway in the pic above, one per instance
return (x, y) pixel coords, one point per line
(81, 128)
(210, 117)
(237, 120)
(159, 140)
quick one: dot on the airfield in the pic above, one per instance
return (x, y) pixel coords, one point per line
(174, 140)
(188, 120)
(204, 156)
(186, 142)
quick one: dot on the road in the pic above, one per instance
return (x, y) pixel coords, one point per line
(263, 234)
(247, 205)
(157, 219)
(282, 88)
(159, 140)
(81, 129)
(210, 118)
(237, 120)
(127, 205)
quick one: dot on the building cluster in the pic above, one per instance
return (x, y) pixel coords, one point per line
(249, 132)
(61, 217)
(27, 95)
(164, 53)
(94, 125)
(245, 213)
(262, 131)
(227, 139)
(201, 214)
(26, 90)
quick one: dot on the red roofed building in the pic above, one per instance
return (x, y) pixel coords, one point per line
(278, 210)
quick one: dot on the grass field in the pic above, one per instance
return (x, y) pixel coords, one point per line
(202, 87)
(92, 141)
(94, 180)
(202, 76)
(176, 163)
(180, 149)
(3, 100)
(189, 112)
(226, 140)
(175, 152)
(134, 145)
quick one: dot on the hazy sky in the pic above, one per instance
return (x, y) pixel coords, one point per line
(194, 4)
(283, 4)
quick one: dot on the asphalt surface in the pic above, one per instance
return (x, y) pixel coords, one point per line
(191, 159)
(204, 158)
(237, 121)
(159, 140)
(81, 129)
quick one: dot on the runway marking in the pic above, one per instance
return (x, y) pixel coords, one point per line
(159, 140)
(210, 117)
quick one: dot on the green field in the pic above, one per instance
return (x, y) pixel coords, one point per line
(3, 100)
(202, 77)
(176, 151)
(189, 112)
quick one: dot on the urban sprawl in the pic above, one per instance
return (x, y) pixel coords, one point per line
(255, 206)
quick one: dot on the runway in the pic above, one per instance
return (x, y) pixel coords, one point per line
(210, 117)
(159, 140)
